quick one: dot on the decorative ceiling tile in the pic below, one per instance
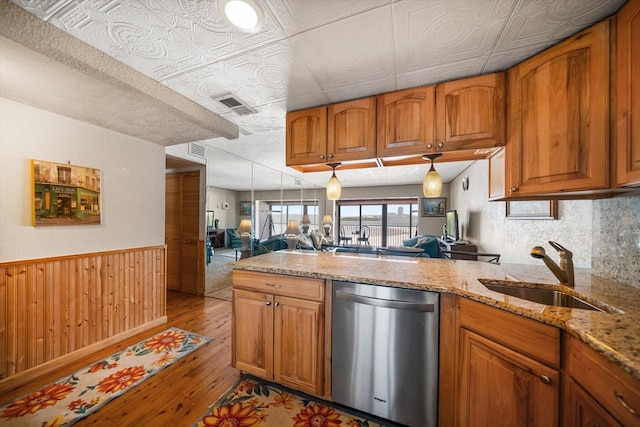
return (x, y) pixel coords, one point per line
(545, 22)
(360, 89)
(203, 24)
(296, 16)
(432, 33)
(440, 73)
(350, 50)
(268, 118)
(43, 9)
(258, 77)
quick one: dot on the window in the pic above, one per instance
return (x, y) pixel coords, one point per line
(274, 220)
(384, 222)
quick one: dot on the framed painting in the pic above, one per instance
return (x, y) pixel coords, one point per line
(65, 194)
(245, 208)
(532, 209)
(433, 206)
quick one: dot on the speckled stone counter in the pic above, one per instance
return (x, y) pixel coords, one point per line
(615, 334)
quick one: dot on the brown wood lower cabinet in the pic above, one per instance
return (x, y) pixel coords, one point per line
(503, 379)
(278, 329)
(597, 393)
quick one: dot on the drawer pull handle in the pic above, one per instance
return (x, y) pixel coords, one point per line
(620, 398)
(268, 303)
(277, 304)
(273, 285)
(545, 379)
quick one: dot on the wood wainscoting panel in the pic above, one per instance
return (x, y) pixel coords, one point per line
(55, 306)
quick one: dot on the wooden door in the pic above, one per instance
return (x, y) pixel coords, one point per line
(470, 113)
(351, 130)
(500, 387)
(558, 117)
(406, 122)
(172, 229)
(582, 410)
(298, 344)
(307, 136)
(182, 227)
(252, 344)
(628, 93)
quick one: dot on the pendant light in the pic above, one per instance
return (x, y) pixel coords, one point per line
(334, 189)
(432, 183)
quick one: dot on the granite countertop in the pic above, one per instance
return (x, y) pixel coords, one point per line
(615, 334)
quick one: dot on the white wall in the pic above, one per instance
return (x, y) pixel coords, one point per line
(132, 189)
(216, 197)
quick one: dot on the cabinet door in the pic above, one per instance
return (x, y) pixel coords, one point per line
(500, 387)
(470, 113)
(405, 122)
(351, 133)
(307, 136)
(581, 410)
(558, 117)
(298, 344)
(252, 345)
(628, 93)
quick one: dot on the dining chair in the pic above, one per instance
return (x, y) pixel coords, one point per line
(342, 237)
(365, 232)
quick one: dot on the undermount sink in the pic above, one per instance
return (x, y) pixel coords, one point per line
(550, 297)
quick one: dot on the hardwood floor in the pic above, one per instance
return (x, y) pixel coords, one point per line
(181, 393)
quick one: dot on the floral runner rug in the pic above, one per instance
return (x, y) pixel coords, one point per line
(69, 399)
(252, 402)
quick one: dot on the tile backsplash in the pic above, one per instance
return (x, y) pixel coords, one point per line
(616, 239)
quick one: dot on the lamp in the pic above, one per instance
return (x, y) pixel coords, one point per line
(292, 231)
(334, 189)
(245, 233)
(432, 183)
(305, 223)
(326, 224)
(245, 15)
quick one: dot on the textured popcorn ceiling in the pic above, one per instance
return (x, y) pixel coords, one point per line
(314, 52)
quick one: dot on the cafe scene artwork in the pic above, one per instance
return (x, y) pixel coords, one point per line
(65, 194)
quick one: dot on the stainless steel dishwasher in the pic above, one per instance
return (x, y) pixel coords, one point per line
(385, 352)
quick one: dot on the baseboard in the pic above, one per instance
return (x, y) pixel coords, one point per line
(21, 378)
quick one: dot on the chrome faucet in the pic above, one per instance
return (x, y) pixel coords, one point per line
(564, 272)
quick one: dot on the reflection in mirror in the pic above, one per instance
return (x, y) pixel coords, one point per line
(239, 189)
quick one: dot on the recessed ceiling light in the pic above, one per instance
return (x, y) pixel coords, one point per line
(245, 15)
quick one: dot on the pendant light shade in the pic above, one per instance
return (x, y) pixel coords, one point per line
(432, 183)
(334, 189)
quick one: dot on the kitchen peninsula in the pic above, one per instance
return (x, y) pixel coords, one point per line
(537, 340)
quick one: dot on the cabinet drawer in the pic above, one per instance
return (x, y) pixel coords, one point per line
(278, 284)
(609, 385)
(534, 339)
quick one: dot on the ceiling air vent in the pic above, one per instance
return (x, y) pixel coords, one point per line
(197, 150)
(236, 105)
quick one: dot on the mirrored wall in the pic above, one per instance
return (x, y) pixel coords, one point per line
(241, 192)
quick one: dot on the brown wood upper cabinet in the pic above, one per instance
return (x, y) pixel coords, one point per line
(470, 113)
(405, 122)
(307, 136)
(627, 142)
(558, 119)
(351, 133)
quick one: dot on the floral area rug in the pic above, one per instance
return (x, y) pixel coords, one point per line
(252, 402)
(72, 398)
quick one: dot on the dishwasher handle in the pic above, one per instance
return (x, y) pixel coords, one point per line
(377, 302)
